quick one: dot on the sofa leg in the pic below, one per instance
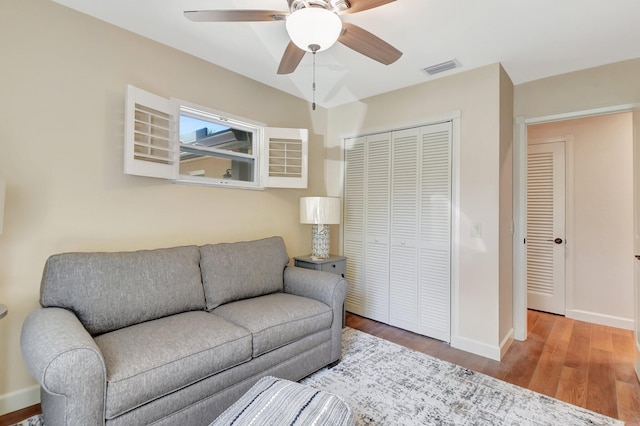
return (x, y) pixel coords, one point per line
(333, 364)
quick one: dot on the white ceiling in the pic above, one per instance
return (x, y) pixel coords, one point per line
(531, 38)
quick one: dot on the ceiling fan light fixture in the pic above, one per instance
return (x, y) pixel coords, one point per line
(314, 29)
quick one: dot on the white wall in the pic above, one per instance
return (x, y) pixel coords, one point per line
(62, 80)
(506, 212)
(602, 244)
(608, 85)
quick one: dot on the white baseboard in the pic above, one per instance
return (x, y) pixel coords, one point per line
(17, 400)
(475, 347)
(596, 318)
(506, 343)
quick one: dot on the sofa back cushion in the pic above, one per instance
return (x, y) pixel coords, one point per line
(234, 271)
(108, 291)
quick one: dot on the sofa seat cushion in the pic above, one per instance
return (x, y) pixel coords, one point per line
(277, 319)
(152, 359)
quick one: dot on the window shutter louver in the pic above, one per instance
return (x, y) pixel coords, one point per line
(150, 142)
(286, 158)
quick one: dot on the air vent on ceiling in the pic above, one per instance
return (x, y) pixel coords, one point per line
(442, 67)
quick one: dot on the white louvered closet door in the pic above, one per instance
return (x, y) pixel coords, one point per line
(421, 231)
(403, 273)
(377, 216)
(354, 226)
(435, 232)
(546, 227)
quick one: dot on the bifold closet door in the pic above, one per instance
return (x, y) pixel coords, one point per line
(434, 289)
(403, 270)
(377, 218)
(420, 249)
(354, 226)
(366, 225)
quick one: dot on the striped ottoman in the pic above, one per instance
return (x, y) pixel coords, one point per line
(274, 401)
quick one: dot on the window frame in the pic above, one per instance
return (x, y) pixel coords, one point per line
(192, 110)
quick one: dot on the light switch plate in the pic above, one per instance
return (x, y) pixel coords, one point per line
(476, 230)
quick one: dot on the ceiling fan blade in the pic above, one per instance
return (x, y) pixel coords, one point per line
(362, 41)
(360, 5)
(235, 15)
(291, 58)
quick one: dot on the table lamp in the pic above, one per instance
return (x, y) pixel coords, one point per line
(321, 212)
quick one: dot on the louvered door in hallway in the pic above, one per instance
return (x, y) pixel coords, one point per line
(546, 227)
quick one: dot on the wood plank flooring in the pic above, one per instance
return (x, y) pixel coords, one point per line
(585, 364)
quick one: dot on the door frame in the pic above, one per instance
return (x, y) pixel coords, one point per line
(520, 206)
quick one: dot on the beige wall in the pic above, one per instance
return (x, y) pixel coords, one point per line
(476, 95)
(608, 85)
(62, 80)
(602, 246)
(505, 222)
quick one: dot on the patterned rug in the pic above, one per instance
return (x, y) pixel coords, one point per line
(388, 384)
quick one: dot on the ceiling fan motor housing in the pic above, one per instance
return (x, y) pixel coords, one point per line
(336, 6)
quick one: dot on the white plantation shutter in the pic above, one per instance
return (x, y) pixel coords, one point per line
(151, 147)
(286, 158)
(354, 205)
(435, 232)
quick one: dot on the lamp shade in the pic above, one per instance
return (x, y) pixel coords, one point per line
(320, 210)
(3, 187)
(314, 26)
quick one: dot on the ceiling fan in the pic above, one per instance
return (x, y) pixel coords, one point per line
(313, 26)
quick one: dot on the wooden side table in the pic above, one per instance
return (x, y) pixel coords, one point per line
(334, 264)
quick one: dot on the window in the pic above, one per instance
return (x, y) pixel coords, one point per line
(187, 143)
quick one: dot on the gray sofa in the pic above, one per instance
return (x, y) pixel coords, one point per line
(175, 336)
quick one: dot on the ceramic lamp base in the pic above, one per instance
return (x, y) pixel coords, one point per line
(320, 241)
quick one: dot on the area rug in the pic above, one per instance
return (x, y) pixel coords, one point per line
(388, 384)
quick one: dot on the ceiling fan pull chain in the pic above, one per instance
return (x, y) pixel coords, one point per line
(313, 85)
(314, 48)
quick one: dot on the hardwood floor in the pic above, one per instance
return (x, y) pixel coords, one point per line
(20, 415)
(585, 364)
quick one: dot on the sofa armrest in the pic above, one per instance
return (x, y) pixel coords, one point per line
(328, 288)
(65, 360)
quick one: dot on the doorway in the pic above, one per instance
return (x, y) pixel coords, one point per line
(591, 294)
